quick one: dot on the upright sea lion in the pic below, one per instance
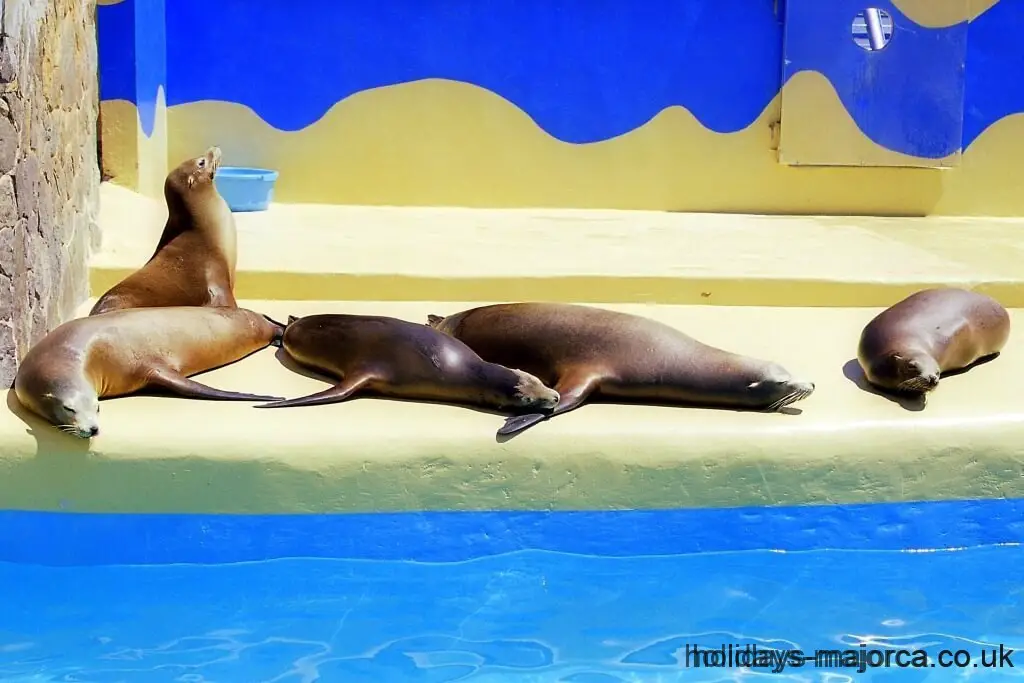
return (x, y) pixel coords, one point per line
(113, 354)
(194, 262)
(382, 356)
(584, 351)
(907, 347)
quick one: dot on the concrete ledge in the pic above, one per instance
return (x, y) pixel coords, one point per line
(404, 254)
(846, 446)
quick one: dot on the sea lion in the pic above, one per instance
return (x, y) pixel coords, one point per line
(62, 377)
(583, 351)
(374, 355)
(194, 261)
(908, 347)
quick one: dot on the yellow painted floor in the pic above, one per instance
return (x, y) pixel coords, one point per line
(845, 445)
(326, 252)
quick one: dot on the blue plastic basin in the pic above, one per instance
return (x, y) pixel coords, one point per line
(246, 189)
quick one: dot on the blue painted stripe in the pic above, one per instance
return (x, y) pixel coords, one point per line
(96, 539)
(116, 48)
(132, 44)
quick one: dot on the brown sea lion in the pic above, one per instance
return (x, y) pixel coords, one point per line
(909, 346)
(118, 353)
(583, 351)
(388, 357)
(194, 262)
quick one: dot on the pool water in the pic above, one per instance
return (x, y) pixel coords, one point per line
(529, 615)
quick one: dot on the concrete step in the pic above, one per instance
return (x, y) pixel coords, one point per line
(841, 445)
(327, 252)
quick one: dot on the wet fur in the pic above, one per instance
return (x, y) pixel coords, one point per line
(935, 333)
(388, 357)
(194, 261)
(586, 352)
(63, 377)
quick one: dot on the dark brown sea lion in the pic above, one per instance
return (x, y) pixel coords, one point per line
(909, 346)
(118, 353)
(194, 262)
(583, 351)
(381, 356)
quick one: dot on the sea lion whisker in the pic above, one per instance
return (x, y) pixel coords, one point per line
(789, 399)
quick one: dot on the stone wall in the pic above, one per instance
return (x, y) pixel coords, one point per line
(49, 171)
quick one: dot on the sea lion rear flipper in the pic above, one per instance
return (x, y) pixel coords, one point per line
(573, 390)
(434, 320)
(341, 391)
(278, 333)
(183, 386)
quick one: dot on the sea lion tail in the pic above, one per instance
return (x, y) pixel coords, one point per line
(519, 423)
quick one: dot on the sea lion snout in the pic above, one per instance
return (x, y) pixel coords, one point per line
(213, 158)
(921, 384)
(76, 414)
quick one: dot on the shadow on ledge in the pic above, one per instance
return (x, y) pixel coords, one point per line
(853, 372)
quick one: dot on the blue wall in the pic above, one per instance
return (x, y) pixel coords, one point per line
(583, 71)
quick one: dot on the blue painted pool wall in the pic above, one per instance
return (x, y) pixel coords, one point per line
(132, 41)
(583, 71)
(100, 539)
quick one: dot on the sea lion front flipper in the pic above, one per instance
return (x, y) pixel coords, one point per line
(573, 389)
(518, 423)
(187, 388)
(339, 392)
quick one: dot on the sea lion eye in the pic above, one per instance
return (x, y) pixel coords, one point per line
(202, 162)
(69, 409)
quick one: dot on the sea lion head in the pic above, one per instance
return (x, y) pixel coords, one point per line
(533, 394)
(908, 371)
(72, 408)
(194, 174)
(775, 388)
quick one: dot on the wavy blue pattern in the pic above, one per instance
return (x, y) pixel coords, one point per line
(584, 72)
(995, 62)
(908, 97)
(94, 539)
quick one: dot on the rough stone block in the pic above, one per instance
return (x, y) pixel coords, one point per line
(49, 170)
(26, 184)
(8, 203)
(8, 360)
(8, 145)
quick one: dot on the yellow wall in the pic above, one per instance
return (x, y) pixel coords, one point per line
(437, 142)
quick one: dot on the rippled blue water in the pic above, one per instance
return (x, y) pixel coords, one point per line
(524, 616)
